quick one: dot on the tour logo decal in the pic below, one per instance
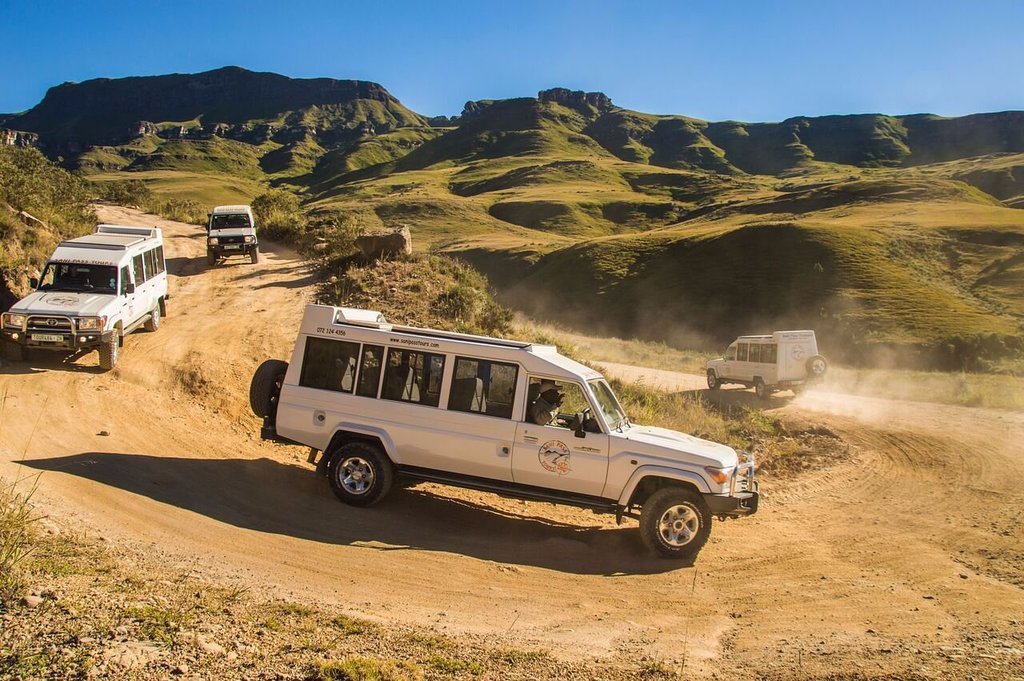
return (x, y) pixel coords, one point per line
(61, 301)
(797, 352)
(554, 457)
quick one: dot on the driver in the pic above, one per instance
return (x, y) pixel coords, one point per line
(545, 408)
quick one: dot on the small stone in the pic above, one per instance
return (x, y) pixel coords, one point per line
(180, 670)
(32, 601)
(103, 433)
(963, 576)
(210, 647)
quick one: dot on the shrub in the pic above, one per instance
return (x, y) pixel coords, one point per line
(279, 215)
(16, 538)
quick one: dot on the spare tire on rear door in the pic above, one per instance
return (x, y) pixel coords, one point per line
(816, 367)
(265, 387)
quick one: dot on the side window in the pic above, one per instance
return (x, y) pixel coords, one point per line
(484, 387)
(731, 352)
(138, 270)
(769, 353)
(412, 376)
(741, 352)
(548, 399)
(126, 279)
(329, 364)
(150, 258)
(755, 353)
(369, 370)
(159, 257)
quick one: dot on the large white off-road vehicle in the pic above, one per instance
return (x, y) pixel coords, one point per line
(231, 231)
(784, 360)
(519, 419)
(94, 291)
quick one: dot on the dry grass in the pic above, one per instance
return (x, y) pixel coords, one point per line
(17, 535)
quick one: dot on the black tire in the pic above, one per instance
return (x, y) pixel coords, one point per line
(675, 523)
(265, 387)
(153, 323)
(816, 367)
(360, 473)
(761, 390)
(211, 258)
(15, 352)
(109, 352)
(713, 382)
(254, 255)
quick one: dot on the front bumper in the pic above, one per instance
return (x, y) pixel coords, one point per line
(65, 339)
(225, 250)
(733, 506)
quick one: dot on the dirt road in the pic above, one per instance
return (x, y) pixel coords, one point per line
(907, 558)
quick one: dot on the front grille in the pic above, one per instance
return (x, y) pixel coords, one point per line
(232, 239)
(49, 324)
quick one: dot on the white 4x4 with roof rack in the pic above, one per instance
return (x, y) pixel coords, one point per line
(231, 230)
(784, 360)
(94, 290)
(514, 418)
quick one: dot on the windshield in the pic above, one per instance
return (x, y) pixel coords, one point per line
(228, 221)
(609, 404)
(71, 276)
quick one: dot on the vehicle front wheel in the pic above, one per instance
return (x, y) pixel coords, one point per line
(153, 323)
(109, 351)
(713, 382)
(265, 387)
(675, 522)
(254, 255)
(16, 352)
(211, 258)
(360, 473)
(760, 389)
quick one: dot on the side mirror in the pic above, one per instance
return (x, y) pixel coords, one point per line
(33, 282)
(577, 425)
(130, 288)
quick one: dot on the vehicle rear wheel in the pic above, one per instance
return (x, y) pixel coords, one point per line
(675, 522)
(265, 387)
(109, 352)
(153, 323)
(254, 255)
(360, 473)
(816, 367)
(760, 389)
(713, 382)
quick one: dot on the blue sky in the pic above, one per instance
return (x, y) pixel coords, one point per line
(721, 59)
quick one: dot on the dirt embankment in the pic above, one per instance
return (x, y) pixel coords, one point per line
(906, 559)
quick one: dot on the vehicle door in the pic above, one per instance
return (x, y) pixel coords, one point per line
(551, 455)
(140, 298)
(728, 369)
(126, 301)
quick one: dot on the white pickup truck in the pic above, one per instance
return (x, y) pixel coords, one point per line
(519, 419)
(94, 291)
(231, 231)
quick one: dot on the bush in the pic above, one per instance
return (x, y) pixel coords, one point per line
(181, 210)
(279, 215)
(125, 192)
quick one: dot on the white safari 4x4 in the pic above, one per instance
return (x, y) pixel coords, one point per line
(381, 400)
(94, 291)
(231, 231)
(785, 360)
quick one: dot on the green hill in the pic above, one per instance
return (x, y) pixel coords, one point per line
(894, 236)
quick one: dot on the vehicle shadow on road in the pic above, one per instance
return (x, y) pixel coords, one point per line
(303, 277)
(41, 361)
(269, 496)
(726, 400)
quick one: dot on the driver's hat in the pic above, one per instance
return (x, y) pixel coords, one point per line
(546, 386)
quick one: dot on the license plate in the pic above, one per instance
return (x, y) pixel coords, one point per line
(232, 246)
(47, 338)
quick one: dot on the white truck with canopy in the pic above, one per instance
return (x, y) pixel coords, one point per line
(783, 360)
(94, 290)
(374, 400)
(231, 231)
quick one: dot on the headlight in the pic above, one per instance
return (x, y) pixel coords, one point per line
(89, 323)
(212, 241)
(250, 239)
(719, 475)
(17, 320)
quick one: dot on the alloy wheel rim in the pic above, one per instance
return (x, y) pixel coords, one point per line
(356, 475)
(678, 525)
